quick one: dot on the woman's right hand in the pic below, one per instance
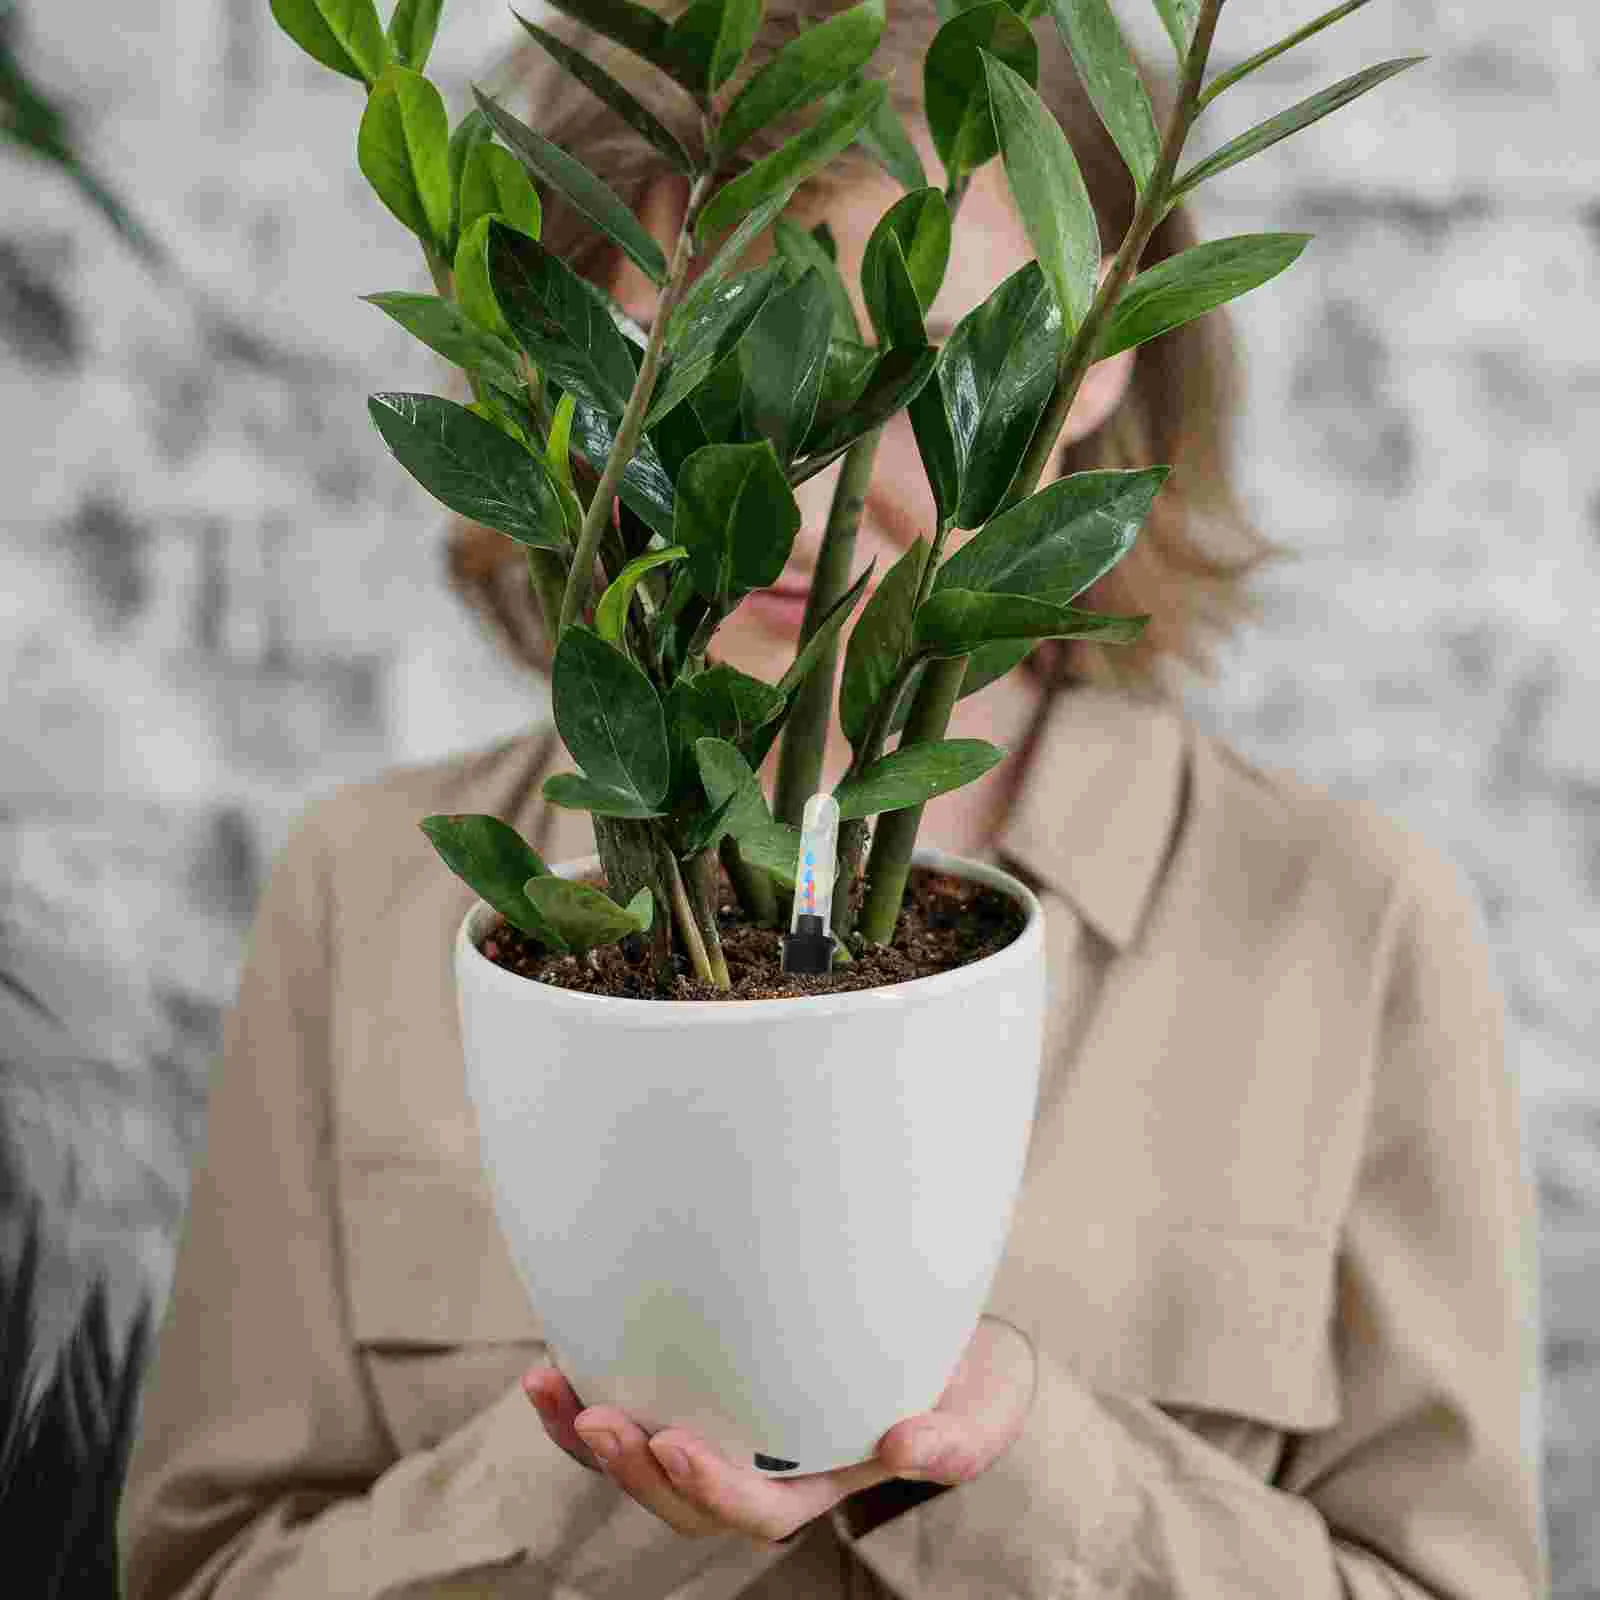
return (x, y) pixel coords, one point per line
(558, 1405)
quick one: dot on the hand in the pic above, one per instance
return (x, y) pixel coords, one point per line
(977, 1418)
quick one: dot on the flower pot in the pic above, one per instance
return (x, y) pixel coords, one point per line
(772, 1222)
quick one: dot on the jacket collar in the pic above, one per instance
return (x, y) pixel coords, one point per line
(1095, 817)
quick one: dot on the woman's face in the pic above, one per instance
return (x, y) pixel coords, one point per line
(989, 245)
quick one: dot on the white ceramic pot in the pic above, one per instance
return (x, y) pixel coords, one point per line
(772, 1222)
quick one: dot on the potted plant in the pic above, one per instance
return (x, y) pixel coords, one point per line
(737, 1214)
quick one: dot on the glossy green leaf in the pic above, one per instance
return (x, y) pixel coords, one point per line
(718, 403)
(635, 27)
(1298, 116)
(495, 183)
(493, 859)
(803, 251)
(726, 703)
(729, 254)
(936, 446)
(709, 335)
(707, 42)
(609, 716)
(645, 488)
(885, 139)
(642, 908)
(1065, 536)
(919, 223)
(1049, 191)
(955, 622)
(599, 82)
(411, 31)
(403, 148)
(846, 370)
(1185, 286)
(1108, 73)
(992, 661)
(473, 130)
(586, 193)
(343, 34)
(879, 641)
(611, 615)
(956, 89)
(782, 172)
(818, 59)
(444, 327)
(706, 830)
(997, 371)
(724, 773)
(558, 447)
(781, 359)
(1242, 69)
(738, 517)
(1178, 17)
(575, 792)
(471, 466)
(897, 378)
(915, 774)
(473, 292)
(565, 330)
(585, 916)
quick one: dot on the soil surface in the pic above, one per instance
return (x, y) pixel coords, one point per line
(945, 922)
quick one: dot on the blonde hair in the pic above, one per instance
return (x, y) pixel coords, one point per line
(1183, 397)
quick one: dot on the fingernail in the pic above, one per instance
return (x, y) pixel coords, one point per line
(602, 1443)
(673, 1459)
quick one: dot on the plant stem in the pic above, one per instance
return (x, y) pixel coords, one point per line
(805, 734)
(751, 884)
(683, 914)
(701, 882)
(632, 424)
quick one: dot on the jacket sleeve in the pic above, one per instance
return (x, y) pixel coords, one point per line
(261, 1466)
(1427, 1488)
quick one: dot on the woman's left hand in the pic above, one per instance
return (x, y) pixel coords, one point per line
(977, 1418)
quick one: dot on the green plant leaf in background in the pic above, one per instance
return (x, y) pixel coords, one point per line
(878, 642)
(444, 327)
(575, 792)
(781, 359)
(473, 129)
(815, 61)
(738, 517)
(774, 846)
(1178, 17)
(956, 89)
(411, 31)
(802, 251)
(471, 466)
(609, 716)
(343, 34)
(494, 859)
(707, 42)
(897, 379)
(709, 335)
(587, 194)
(642, 908)
(883, 136)
(474, 294)
(955, 622)
(920, 223)
(585, 916)
(911, 776)
(1049, 191)
(1298, 116)
(1185, 286)
(495, 184)
(646, 489)
(1106, 68)
(404, 149)
(599, 82)
(611, 615)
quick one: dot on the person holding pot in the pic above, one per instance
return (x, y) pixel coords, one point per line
(1265, 1321)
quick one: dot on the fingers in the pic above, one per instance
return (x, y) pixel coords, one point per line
(557, 1406)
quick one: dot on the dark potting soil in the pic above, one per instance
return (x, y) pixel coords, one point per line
(945, 922)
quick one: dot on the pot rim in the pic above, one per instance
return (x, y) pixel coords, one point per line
(1027, 945)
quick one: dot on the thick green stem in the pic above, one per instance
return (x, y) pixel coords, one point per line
(683, 916)
(751, 884)
(632, 424)
(700, 880)
(805, 734)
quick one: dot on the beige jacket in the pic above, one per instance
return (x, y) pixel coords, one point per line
(1274, 1247)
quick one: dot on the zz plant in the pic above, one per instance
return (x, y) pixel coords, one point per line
(650, 475)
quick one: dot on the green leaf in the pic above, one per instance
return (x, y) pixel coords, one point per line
(956, 89)
(846, 370)
(609, 716)
(443, 326)
(1064, 537)
(782, 172)
(709, 40)
(611, 615)
(637, 28)
(575, 792)
(915, 774)
(1243, 69)
(885, 139)
(493, 859)
(585, 916)
(1049, 191)
(898, 377)
(1302, 115)
(566, 332)
(411, 31)
(878, 642)
(404, 149)
(709, 335)
(595, 78)
(473, 292)
(706, 830)
(781, 360)
(955, 622)
(997, 371)
(642, 908)
(645, 488)
(343, 34)
(1108, 72)
(738, 517)
(558, 447)
(729, 254)
(725, 703)
(936, 445)
(804, 251)
(1185, 286)
(494, 184)
(473, 129)
(724, 773)
(586, 193)
(919, 223)
(819, 58)
(989, 662)
(1179, 16)
(471, 466)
